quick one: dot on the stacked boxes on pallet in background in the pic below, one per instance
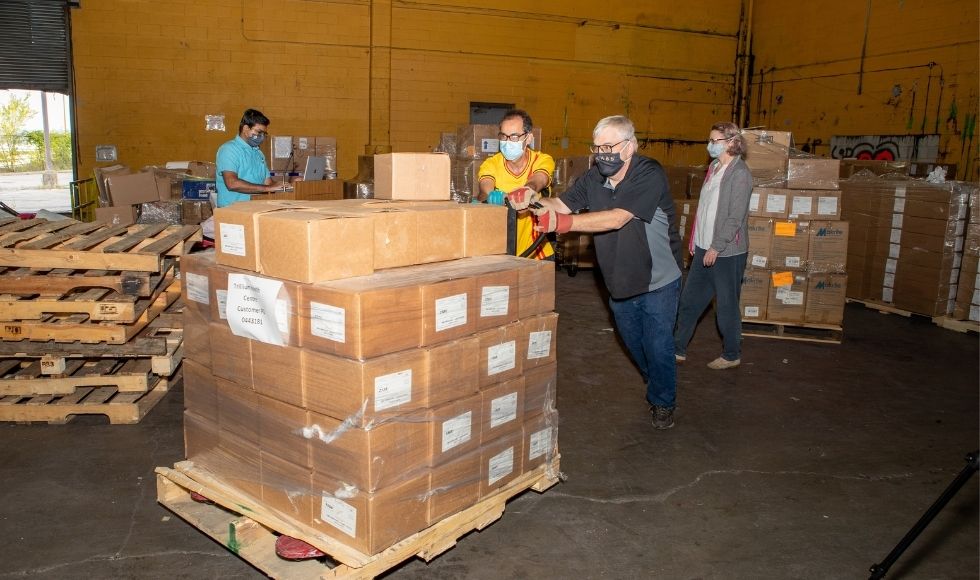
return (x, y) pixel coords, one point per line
(796, 271)
(369, 405)
(472, 145)
(907, 241)
(575, 249)
(967, 306)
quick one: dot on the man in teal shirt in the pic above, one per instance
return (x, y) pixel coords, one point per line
(241, 166)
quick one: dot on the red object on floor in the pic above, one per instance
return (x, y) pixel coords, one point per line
(199, 498)
(290, 548)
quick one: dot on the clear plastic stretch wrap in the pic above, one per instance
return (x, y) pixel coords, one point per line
(160, 212)
(389, 408)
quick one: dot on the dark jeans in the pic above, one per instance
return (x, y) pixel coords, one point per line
(723, 281)
(646, 325)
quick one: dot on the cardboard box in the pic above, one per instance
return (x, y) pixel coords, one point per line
(304, 246)
(449, 309)
(116, 216)
(539, 345)
(540, 436)
(568, 169)
(825, 298)
(238, 413)
(280, 153)
(875, 167)
(286, 488)
(501, 358)
(790, 245)
(192, 212)
(366, 392)
(202, 169)
(484, 230)
(536, 280)
(448, 219)
(498, 292)
(235, 231)
(828, 204)
(201, 436)
(454, 428)
(787, 296)
(828, 246)
(502, 461)
(281, 428)
(373, 458)
(396, 233)
(414, 176)
(769, 202)
(503, 409)
(540, 389)
(277, 372)
(767, 153)
(200, 391)
(132, 189)
(813, 173)
(754, 298)
(760, 242)
(453, 369)
(231, 356)
(194, 283)
(238, 464)
(480, 141)
(252, 313)
(370, 522)
(197, 338)
(455, 486)
(198, 189)
(362, 317)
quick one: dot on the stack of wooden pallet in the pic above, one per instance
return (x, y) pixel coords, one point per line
(89, 318)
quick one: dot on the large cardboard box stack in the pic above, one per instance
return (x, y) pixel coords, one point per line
(907, 244)
(474, 144)
(967, 305)
(368, 405)
(288, 153)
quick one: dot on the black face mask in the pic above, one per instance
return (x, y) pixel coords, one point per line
(256, 140)
(608, 164)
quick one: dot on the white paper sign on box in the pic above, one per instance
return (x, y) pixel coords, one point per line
(252, 308)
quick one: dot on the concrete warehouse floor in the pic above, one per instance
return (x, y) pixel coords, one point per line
(810, 461)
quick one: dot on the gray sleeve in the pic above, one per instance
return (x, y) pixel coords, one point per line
(733, 205)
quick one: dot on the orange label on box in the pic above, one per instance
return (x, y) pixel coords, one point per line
(787, 229)
(782, 279)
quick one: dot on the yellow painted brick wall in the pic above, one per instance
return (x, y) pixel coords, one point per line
(147, 72)
(808, 63)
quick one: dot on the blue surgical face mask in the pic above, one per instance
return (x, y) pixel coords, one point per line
(716, 149)
(512, 150)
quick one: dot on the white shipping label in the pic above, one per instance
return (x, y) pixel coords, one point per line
(339, 514)
(759, 261)
(501, 357)
(222, 304)
(791, 298)
(896, 236)
(500, 466)
(894, 250)
(328, 322)
(457, 431)
(897, 220)
(232, 239)
(887, 294)
(252, 308)
(450, 312)
(304, 143)
(802, 206)
(489, 145)
(539, 345)
(827, 206)
(754, 202)
(540, 443)
(282, 147)
(889, 281)
(976, 296)
(958, 246)
(793, 261)
(503, 410)
(899, 205)
(776, 203)
(683, 222)
(752, 312)
(975, 313)
(891, 265)
(494, 301)
(900, 191)
(781, 292)
(197, 288)
(392, 390)
(282, 316)
(687, 208)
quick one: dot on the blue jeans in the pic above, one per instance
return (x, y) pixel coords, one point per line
(646, 325)
(723, 282)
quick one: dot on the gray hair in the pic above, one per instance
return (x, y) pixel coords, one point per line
(618, 122)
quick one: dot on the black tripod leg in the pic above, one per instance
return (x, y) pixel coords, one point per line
(878, 571)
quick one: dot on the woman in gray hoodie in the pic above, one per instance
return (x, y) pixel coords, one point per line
(719, 246)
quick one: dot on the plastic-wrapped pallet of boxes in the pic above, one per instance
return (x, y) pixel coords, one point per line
(357, 369)
(967, 305)
(796, 271)
(474, 144)
(908, 240)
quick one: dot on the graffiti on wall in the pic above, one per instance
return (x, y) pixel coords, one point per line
(923, 148)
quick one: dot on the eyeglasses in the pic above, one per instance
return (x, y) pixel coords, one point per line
(722, 140)
(262, 133)
(512, 137)
(606, 148)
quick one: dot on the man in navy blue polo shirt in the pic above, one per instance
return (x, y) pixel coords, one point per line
(630, 211)
(241, 166)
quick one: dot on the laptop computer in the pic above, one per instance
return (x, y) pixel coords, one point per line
(315, 168)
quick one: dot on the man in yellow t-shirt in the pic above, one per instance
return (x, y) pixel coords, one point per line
(520, 172)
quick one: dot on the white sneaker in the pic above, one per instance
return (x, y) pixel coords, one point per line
(720, 364)
(679, 358)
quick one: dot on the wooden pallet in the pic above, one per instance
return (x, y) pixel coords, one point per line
(253, 537)
(67, 244)
(97, 304)
(28, 377)
(883, 308)
(964, 326)
(800, 331)
(76, 327)
(121, 408)
(159, 339)
(58, 281)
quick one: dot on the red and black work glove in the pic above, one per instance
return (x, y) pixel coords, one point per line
(551, 221)
(522, 197)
